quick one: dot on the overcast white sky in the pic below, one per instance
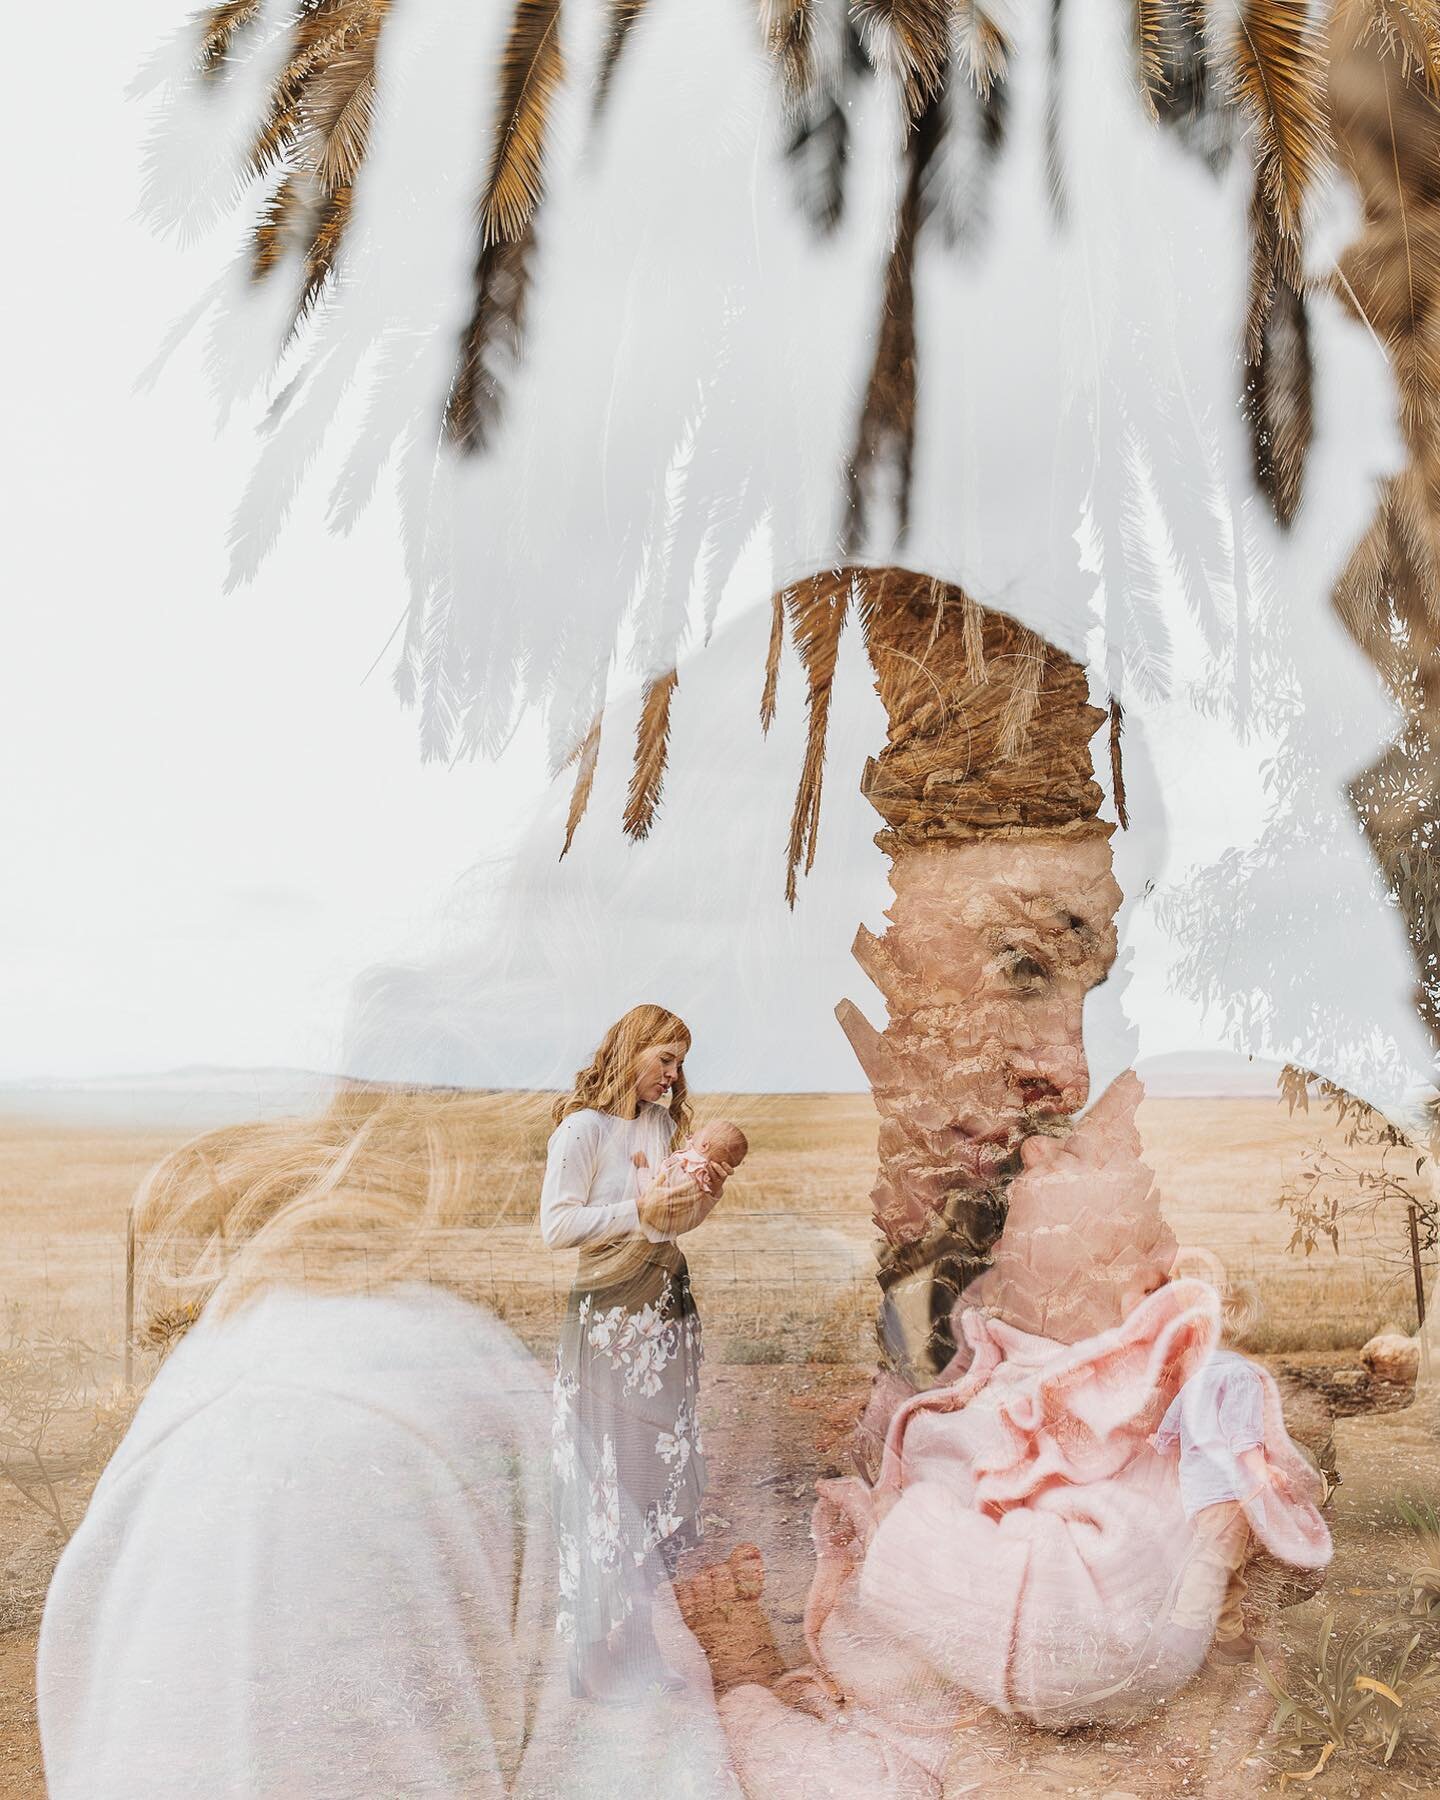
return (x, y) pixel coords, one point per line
(216, 820)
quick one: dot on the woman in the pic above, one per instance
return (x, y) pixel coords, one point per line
(628, 1466)
(320, 1562)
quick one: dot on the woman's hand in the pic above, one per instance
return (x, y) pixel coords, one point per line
(676, 1206)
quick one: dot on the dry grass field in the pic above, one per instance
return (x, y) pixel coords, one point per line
(782, 1272)
(782, 1268)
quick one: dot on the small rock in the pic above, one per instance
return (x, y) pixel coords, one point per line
(1392, 1357)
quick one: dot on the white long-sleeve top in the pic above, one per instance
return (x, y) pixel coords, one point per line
(591, 1182)
(321, 1565)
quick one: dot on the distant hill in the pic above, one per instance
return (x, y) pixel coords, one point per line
(201, 1096)
(197, 1097)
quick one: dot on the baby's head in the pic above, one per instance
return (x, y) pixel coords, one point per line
(1241, 1308)
(720, 1142)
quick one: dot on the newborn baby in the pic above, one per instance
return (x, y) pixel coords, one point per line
(709, 1156)
(699, 1169)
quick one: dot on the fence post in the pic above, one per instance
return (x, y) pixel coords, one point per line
(129, 1295)
(1415, 1266)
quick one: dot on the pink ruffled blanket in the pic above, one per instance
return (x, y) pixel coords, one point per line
(1020, 1548)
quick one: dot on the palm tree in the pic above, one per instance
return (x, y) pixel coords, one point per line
(1273, 81)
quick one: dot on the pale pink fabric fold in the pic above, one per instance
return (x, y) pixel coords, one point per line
(1020, 1549)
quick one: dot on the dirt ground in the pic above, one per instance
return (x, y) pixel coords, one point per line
(772, 1429)
(785, 1274)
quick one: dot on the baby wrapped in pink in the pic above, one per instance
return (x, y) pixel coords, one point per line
(1022, 1543)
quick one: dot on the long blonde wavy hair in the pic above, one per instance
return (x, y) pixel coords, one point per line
(352, 1199)
(607, 1082)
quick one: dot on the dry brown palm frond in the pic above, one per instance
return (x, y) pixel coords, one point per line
(274, 229)
(1276, 69)
(1279, 373)
(788, 26)
(1409, 31)
(1117, 766)
(320, 33)
(1053, 156)
(1413, 537)
(331, 216)
(335, 112)
(1360, 594)
(818, 148)
(652, 747)
(342, 101)
(1391, 278)
(972, 638)
(219, 29)
(910, 38)
(817, 617)
(491, 342)
(585, 758)
(531, 71)
(885, 436)
(979, 47)
(1150, 20)
(1022, 695)
(772, 663)
(623, 17)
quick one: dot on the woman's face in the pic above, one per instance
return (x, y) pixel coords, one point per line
(657, 1071)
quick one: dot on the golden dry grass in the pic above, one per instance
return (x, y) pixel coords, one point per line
(782, 1269)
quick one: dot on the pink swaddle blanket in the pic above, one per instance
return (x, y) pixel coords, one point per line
(1020, 1549)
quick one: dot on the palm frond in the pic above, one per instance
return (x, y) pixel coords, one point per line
(1022, 696)
(1185, 95)
(330, 219)
(344, 104)
(652, 747)
(587, 755)
(317, 128)
(960, 175)
(1279, 372)
(972, 639)
(1117, 766)
(1408, 31)
(491, 344)
(910, 39)
(789, 30)
(1276, 70)
(978, 47)
(320, 33)
(818, 148)
(1054, 156)
(772, 663)
(274, 229)
(817, 610)
(624, 15)
(531, 71)
(885, 435)
(219, 29)
(1150, 20)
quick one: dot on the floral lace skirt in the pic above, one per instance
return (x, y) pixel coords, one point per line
(628, 1467)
